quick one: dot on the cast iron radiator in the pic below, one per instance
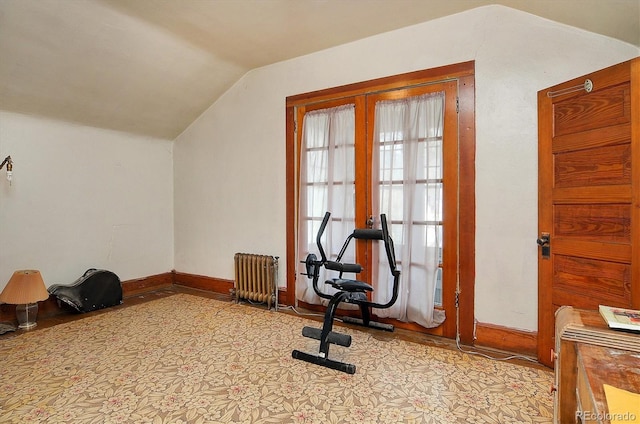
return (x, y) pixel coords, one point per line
(256, 278)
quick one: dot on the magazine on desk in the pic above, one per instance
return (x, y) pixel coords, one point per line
(620, 318)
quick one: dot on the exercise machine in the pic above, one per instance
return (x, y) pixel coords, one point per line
(348, 290)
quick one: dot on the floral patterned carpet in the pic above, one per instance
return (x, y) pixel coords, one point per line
(188, 359)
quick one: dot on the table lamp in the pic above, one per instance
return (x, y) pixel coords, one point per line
(25, 289)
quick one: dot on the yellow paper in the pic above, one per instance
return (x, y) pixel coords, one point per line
(624, 406)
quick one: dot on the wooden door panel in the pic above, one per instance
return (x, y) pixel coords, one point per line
(614, 252)
(601, 108)
(588, 195)
(610, 165)
(586, 283)
(593, 222)
(599, 137)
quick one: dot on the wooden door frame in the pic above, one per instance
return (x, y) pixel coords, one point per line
(464, 73)
(545, 179)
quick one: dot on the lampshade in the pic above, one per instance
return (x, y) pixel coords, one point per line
(24, 287)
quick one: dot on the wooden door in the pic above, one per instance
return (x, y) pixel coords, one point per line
(589, 200)
(447, 180)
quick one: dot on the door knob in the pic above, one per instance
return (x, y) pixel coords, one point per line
(545, 243)
(543, 240)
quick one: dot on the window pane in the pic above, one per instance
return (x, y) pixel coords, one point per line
(434, 203)
(316, 166)
(343, 160)
(437, 300)
(391, 162)
(316, 200)
(434, 162)
(392, 201)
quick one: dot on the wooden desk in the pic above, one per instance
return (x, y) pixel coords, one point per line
(576, 327)
(601, 365)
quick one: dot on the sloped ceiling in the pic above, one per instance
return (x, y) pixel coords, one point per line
(151, 67)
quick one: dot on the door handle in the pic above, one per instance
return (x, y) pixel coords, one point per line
(545, 243)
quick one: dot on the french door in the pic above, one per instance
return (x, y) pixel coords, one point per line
(366, 174)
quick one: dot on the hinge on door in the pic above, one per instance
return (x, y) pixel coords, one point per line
(457, 299)
(457, 104)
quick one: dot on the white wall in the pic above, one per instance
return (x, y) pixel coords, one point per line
(84, 198)
(230, 164)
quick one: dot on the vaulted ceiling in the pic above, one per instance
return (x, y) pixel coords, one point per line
(151, 67)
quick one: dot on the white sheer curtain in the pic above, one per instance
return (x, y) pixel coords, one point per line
(407, 169)
(327, 183)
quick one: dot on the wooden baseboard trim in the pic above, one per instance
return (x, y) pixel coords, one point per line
(201, 282)
(146, 284)
(506, 339)
(8, 312)
(283, 297)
